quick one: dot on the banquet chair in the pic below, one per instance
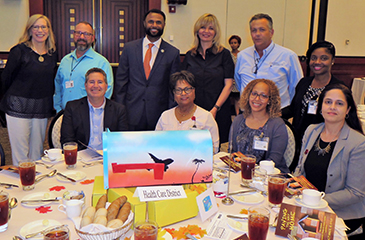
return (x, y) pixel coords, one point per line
(54, 131)
(290, 148)
(2, 156)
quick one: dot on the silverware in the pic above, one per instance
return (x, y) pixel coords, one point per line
(242, 191)
(43, 231)
(47, 166)
(188, 235)
(89, 164)
(51, 174)
(42, 200)
(8, 185)
(237, 217)
(17, 238)
(64, 176)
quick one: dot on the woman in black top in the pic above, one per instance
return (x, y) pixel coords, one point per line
(320, 58)
(213, 68)
(28, 84)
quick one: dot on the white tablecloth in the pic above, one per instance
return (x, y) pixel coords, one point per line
(23, 215)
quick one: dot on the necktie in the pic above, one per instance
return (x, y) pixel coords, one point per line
(147, 59)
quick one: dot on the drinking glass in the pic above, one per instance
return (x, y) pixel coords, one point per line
(145, 230)
(259, 178)
(4, 211)
(258, 223)
(277, 185)
(57, 233)
(248, 162)
(70, 152)
(27, 174)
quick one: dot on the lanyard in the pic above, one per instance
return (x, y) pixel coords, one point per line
(257, 60)
(72, 63)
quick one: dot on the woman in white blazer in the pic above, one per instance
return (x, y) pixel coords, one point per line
(333, 155)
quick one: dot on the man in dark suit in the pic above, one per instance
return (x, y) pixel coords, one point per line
(85, 119)
(142, 80)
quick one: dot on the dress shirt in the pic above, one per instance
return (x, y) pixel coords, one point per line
(277, 63)
(154, 49)
(203, 120)
(73, 68)
(96, 126)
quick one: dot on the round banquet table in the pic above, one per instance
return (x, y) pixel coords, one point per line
(22, 215)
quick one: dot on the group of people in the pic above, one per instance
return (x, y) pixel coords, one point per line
(153, 90)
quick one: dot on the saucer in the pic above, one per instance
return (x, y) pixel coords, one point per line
(276, 171)
(46, 159)
(322, 204)
(249, 198)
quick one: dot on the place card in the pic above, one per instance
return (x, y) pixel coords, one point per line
(207, 204)
(156, 193)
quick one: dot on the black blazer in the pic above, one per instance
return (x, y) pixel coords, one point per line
(138, 94)
(76, 120)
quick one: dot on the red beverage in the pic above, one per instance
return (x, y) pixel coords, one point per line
(70, 152)
(4, 211)
(258, 226)
(27, 175)
(276, 189)
(247, 164)
(57, 235)
(145, 231)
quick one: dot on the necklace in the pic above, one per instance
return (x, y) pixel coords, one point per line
(323, 151)
(40, 58)
(183, 115)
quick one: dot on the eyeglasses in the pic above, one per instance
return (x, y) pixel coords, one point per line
(179, 91)
(261, 96)
(43, 27)
(79, 33)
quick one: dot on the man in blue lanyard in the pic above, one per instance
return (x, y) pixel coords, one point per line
(268, 60)
(85, 119)
(70, 77)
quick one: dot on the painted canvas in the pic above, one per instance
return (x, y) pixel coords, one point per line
(153, 158)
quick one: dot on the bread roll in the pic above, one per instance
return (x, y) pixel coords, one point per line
(90, 212)
(100, 212)
(115, 223)
(124, 212)
(101, 202)
(85, 221)
(114, 207)
(101, 220)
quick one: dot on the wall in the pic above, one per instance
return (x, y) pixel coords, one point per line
(13, 17)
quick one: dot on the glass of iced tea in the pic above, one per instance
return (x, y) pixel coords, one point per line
(248, 162)
(70, 152)
(145, 230)
(4, 211)
(57, 233)
(27, 174)
(277, 185)
(258, 223)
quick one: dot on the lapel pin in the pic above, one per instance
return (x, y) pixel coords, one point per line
(162, 50)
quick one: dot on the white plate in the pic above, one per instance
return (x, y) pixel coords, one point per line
(276, 171)
(74, 174)
(37, 226)
(240, 226)
(46, 159)
(322, 204)
(167, 236)
(36, 196)
(249, 198)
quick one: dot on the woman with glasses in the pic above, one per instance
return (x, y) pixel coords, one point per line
(259, 130)
(186, 115)
(213, 68)
(28, 85)
(320, 58)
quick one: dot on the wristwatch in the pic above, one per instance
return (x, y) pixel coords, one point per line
(217, 107)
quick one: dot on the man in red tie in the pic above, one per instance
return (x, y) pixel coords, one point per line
(142, 80)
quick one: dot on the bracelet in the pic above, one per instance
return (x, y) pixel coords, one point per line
(217, 107)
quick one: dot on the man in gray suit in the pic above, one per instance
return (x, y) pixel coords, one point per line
(142, 80)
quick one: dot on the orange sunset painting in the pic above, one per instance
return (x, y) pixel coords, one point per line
(157, 158)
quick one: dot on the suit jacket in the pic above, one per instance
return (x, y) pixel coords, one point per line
(135, 92)
(345, 188)
(76, 120)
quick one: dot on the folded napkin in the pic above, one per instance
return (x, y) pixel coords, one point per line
(340, 227)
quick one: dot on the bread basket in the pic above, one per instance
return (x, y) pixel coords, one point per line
(107, 235)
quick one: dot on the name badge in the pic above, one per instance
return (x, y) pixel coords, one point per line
(312, 107)
(70, 84)
(261, 143)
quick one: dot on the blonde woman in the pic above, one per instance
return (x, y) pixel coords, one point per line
(259, 130)
(28, 83)
(213, 68)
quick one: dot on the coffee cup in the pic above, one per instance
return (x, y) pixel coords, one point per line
(53, 154)
(72, 208)
(268, 165)
(312, 197)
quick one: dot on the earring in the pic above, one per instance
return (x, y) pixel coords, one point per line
(347, 116)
